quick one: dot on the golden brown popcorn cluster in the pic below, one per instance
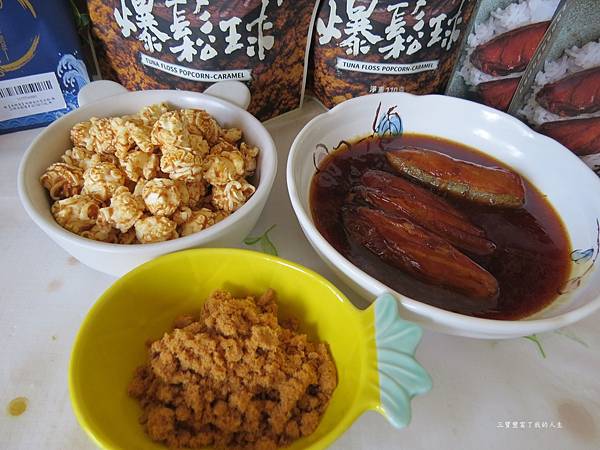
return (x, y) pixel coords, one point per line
(235, 377)
(150, 177)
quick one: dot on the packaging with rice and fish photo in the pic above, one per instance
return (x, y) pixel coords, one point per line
(560, 97)
(501, 41)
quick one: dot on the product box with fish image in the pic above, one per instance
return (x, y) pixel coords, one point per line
(559, 95)
(498, 46)
(538, 60)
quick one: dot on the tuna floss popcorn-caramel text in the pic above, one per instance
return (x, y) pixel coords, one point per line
(363, 47)
(191, 44)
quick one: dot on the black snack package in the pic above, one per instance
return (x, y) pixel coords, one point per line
(190, 44)
(362, 47)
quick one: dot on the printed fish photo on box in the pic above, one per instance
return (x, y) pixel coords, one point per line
(499, 45)
(560, 97)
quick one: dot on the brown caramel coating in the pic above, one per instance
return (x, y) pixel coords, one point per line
(62, 180)
(234, 378)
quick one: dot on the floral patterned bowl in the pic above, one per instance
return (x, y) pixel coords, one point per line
(570, 186)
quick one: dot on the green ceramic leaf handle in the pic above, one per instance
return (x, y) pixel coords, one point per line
(400, 376)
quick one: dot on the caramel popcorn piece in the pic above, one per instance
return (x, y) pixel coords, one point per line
(198, 145)
(84, 158)
(170, 130)
(222, 146)
(102, 138)
(184, 193)
(199, 220)
(141, 135)
(104, 158)
(155, 229)
(231, 135)
(201, 123)
(139, 187)
(102, 230)
(62, 180)
(182, 215)
(181, 164)
(77, 213)
(102, 180)
(121, 140)
(161, 196)
(232, 196)
(196, 192)
(250, 154)
(150, 114)
(80, 157)
(124, 210)
(224, 167)
(128, 238)
(137, 164)
(191, 193)
(80, 135)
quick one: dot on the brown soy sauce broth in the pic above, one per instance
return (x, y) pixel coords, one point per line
(531, 262)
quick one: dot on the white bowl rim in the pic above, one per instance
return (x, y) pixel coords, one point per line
(53, 228)
(468, 323)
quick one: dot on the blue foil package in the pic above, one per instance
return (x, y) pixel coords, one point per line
(41, 70)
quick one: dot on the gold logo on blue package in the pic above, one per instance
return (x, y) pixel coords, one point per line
(41, 68)
(29, 54)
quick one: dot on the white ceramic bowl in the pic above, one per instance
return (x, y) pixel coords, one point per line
(118, 259)
(572, 189)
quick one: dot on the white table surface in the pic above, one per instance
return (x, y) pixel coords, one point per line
(45, 294)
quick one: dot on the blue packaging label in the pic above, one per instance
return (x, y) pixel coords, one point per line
(41, 70)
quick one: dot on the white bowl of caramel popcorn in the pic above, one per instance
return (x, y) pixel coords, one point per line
(136, 175)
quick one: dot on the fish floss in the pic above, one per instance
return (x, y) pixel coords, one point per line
(362, 47)
(41, 67)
